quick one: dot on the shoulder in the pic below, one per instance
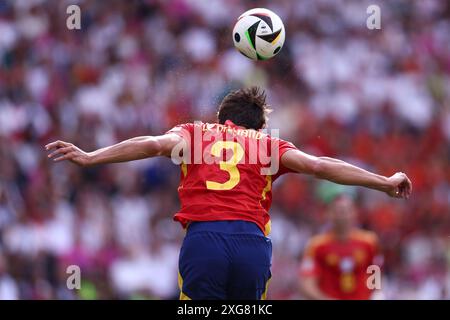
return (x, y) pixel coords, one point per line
(282, 146)
(365, 236)
(188, 127)
(275, 139)
(317, 241)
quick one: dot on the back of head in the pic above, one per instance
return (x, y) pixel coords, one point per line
(245, 107)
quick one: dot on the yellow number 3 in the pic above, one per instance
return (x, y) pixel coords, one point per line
(228, 166)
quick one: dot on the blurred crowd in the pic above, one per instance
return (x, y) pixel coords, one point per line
(376, 98)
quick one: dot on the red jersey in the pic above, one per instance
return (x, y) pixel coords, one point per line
(225, 173)
(341, 266)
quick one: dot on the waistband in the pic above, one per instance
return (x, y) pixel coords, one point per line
(226, 226)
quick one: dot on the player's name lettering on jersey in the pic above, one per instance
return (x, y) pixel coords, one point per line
(220, 128)
(228, 145)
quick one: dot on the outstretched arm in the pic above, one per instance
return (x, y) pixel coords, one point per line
(128, 150)
(341, 172)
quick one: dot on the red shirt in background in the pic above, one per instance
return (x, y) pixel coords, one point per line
(341, 266)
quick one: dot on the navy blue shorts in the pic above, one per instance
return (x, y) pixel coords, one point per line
(224, 260)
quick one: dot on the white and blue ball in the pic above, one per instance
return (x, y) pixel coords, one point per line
(259, 34)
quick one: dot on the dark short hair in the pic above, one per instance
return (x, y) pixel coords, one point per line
(245, 107)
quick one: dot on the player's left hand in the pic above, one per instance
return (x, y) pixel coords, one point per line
(68, 151)
(400, 186)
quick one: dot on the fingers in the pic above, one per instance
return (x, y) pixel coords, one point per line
(57, 144)
(64, 150)
(67, 156)
(409, 186)
(402, 193)
(60, 151)
(404, 187)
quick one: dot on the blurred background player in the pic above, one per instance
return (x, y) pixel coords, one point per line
(335, 263)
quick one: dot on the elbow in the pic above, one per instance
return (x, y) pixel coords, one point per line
(318, 167)
(153, 147)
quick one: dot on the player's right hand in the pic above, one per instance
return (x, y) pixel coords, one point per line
(399, 186)
(67, 151)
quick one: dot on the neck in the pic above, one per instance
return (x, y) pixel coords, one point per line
(341, 233)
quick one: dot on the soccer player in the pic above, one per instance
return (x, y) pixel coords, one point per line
(335, 264)
(227, 171)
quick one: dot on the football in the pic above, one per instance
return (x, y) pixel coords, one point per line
(259, 34)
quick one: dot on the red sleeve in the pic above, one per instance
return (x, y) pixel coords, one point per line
(184, 130)
(283, 146)
(309, 266)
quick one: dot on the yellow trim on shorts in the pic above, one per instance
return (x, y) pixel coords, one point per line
(264, 295)
(183, 296)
